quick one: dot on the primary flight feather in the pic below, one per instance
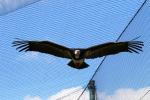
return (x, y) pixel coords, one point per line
(78, 55)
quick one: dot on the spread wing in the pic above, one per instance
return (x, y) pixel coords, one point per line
(113, 48)
(43, 47)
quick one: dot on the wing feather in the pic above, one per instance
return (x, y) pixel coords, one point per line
(112, 48)
(43, 47)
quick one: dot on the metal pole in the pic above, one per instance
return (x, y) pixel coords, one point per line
(92, 90)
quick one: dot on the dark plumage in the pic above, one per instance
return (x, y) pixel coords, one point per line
(78, 55)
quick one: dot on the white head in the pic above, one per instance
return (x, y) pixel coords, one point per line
(77, 53)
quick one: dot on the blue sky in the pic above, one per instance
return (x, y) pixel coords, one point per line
(126, 70)
(72, 23)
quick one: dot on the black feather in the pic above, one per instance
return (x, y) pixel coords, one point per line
(43, 47)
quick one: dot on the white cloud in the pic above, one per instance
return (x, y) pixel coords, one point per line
(11, 5)
(70, 94)
(28, 56)
(120, 94)
(65, 94)
(126, 94)
(35, 56)
(32, 98)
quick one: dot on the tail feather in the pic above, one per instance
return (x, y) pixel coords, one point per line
(84, 65)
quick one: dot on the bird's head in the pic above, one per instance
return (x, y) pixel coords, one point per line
(77, 54)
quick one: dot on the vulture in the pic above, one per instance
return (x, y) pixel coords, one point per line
(77, 56)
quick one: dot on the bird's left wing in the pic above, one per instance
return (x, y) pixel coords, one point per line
(113, 48)
(43, 47)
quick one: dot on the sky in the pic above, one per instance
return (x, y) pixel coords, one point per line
(127, 71)
(72, 23)
(7, 6)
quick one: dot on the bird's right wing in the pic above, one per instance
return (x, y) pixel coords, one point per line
(113, 48)
(43, 47)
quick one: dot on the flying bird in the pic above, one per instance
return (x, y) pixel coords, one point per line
(77, 56)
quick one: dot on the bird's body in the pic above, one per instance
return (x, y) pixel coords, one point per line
(77, 63)
(78, 55)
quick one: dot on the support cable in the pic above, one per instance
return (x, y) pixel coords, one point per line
(73, 92)
(144, 95)
(99, 66)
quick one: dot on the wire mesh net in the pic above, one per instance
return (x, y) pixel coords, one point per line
(126, 76)
(77, 24)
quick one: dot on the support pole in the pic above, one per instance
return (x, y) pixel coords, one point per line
(92, 90)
